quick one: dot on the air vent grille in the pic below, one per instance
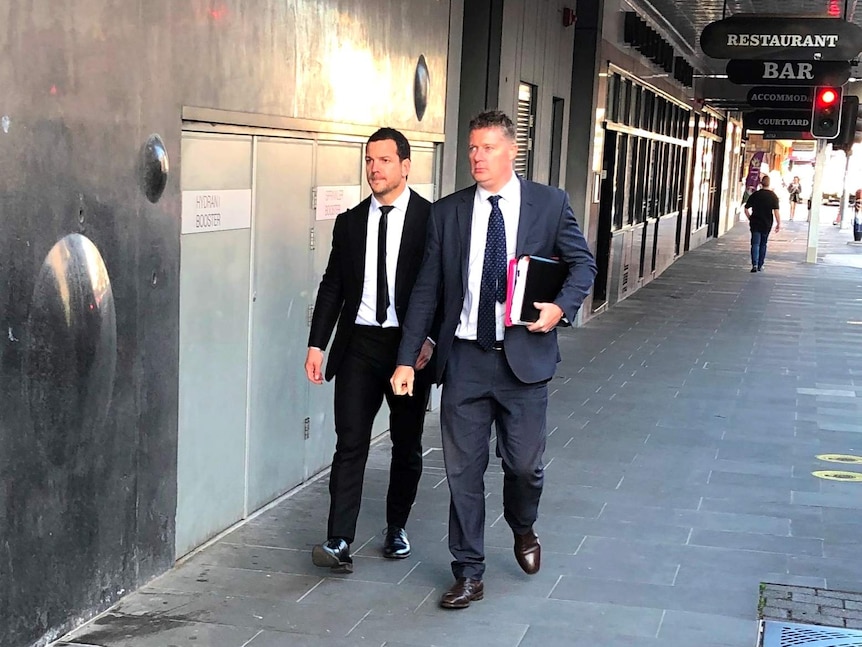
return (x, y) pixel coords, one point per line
(786, 634)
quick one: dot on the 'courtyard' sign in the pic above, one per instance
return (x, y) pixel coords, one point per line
(778, 120)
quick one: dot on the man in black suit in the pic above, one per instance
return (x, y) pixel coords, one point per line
(377, 248)
(492, 374)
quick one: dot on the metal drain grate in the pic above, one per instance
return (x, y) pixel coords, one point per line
(786, 634)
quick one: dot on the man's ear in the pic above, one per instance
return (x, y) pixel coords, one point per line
(513, 151)
(405, 168)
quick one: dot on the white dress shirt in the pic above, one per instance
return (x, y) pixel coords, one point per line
(367, 315)
(510, 205)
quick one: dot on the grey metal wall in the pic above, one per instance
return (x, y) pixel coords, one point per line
(507, 42)
(536, 48)
(88, 362)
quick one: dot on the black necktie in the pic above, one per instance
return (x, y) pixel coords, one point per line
(493, 286)
(382, 284)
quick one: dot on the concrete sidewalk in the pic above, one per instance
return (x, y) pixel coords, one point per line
(685, 426)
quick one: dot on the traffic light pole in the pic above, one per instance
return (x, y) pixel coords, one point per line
(816, 201)
(842, 221)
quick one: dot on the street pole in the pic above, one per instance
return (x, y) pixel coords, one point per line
(842, 221)
(816, 200)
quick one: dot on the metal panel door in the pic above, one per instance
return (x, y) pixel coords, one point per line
(278, 390)
(213, 358)
(337, 164)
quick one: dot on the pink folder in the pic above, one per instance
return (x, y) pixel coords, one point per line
(510, 287)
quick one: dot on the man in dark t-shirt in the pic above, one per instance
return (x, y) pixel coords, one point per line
(760, 208)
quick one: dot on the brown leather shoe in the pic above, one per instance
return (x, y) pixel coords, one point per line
(463, 592)
(528, 552)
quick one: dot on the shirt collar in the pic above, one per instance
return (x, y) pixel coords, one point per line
(400, 202)
(511, 191)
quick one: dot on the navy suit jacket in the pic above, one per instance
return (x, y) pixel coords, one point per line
(546, 227)
(340, 291)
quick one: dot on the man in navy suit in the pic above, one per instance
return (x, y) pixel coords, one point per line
(377, 248)
(492, 374)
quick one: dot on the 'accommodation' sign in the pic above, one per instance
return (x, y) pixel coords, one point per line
(781, 38)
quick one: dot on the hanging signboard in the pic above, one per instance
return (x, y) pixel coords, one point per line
(753, 179)
(781, 38)
(770, 135)
(777, 97)
(778, 120)
(807, 73)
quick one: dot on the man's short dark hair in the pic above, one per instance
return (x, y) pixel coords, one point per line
(765, 181)
(400, 140)
(494, 119)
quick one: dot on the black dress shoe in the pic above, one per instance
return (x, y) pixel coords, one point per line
(396, 546)
(463, 592)
(334, 554)
(528, 552)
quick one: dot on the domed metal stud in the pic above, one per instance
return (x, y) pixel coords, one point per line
(421, 87)
(154, 168)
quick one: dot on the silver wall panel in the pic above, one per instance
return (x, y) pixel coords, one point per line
(649, 241)
(278, 389)
(213, 359)
(337, 164)
(666, 242)
(422, 165)
(344, 62)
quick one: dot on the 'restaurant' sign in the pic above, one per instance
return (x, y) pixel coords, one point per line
(778, 120)
(782, 38)
(806, 73)
(779, 97)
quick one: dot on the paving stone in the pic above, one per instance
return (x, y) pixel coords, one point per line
(686, 422)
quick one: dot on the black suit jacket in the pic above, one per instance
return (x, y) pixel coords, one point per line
(546, 227)
(340, 291)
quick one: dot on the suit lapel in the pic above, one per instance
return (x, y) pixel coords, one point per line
(408, 252)
(526, 218)
(464, 214)
(358, 225)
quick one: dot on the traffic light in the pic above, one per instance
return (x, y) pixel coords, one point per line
(826, 113)
(849, 133)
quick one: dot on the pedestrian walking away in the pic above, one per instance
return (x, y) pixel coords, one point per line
(760, 209)
(492, 375)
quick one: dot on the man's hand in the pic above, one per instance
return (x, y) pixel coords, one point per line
(549, 316)
(424, 355)
(313, 364)
(402, 380)
(777, 227)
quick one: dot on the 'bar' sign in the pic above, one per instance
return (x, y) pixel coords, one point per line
(788, 72)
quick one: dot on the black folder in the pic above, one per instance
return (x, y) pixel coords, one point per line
(532, 279)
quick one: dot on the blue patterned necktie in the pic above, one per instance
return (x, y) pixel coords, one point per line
(493, 289)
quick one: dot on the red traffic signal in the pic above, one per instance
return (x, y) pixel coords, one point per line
(826, 112)
(827, 97)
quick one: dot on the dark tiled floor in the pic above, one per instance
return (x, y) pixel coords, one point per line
(686, 423)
